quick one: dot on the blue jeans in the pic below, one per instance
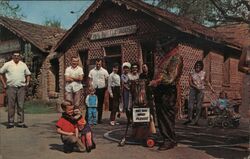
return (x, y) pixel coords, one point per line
(92, 113)
(197, 96)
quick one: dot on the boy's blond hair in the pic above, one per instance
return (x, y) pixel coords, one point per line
(65, 104)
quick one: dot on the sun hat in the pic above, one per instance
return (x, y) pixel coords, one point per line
(126, 64)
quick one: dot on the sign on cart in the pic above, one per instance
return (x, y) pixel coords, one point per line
(141, 114)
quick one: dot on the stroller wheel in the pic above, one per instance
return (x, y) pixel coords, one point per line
(150, 142)
(225, 124)
(210, 123)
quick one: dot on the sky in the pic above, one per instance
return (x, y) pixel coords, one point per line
(37, 11)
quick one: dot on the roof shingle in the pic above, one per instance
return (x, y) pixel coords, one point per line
(43, 37)
(239, 32)
(180, 23)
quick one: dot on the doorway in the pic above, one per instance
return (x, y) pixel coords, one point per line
(84, 60)
(55, 71)
(112, 56)
(148, 55)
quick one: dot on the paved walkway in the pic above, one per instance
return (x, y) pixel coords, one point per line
(40, 141)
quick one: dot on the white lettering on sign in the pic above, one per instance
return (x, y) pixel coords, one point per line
(141, 115)
(127, 30)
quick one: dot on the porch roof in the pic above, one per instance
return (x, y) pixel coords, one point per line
(239, 32)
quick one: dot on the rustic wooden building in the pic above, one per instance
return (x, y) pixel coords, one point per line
(131, 30)
(239, 32)
(35, 43)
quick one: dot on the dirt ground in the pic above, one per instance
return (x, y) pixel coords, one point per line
(40, 141)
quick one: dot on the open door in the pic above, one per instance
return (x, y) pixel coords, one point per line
(147, 54)
(84, 60)
(55, 75)
(112, 55)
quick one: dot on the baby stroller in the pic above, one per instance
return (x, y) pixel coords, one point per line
(141, 115)
(224, 117)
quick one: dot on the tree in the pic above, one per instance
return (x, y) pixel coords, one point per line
(11, 11)
(233, 10)
(53, 22)
(209, 12)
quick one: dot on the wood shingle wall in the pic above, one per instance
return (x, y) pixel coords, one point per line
(219, 68)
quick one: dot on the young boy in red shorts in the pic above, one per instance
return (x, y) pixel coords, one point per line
(85, 132)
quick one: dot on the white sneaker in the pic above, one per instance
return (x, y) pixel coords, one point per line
(112, 123)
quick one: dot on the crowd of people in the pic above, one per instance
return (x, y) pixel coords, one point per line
(122, 94)
(120, 89)
(75, 127)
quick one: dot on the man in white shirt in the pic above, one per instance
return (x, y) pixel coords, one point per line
(17, 75)
(73, 77)
(98, 77)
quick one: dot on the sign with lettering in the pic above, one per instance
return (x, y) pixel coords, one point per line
(127, 30)
(9, 46)
(141, 114)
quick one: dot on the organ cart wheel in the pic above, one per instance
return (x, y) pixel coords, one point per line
(150, 142)
(210, 123)
(122, 142)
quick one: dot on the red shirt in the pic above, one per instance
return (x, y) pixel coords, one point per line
(65, 125)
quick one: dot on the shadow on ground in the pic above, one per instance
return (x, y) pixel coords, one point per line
(56, 147)
(4, 123)
(217, 142)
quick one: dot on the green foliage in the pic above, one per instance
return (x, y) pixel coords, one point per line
(39, 107)
(52, 22)
(11, 11)
(208, 12)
